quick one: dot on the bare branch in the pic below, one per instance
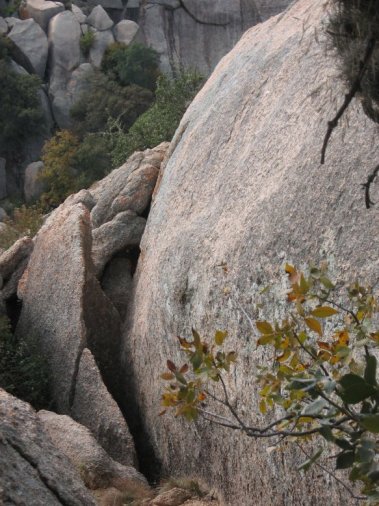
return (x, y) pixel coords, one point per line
(355, 87)
(371, 178)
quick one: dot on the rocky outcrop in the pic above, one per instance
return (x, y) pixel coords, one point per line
(41, 11)
(33, 186)
(72, 320)
(31, 40)
(94, 407)
(32, 469)
(244, 189)
(195, 34)
(97, 469)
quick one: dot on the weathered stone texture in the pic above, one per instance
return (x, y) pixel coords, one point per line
(32, 470)
(95, 408)
(244, 186)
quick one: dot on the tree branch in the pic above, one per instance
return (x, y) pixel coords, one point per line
(371, 178)
(355, 87)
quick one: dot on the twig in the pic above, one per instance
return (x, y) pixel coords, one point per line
(332, 124)
(330, 473)
(371, 178)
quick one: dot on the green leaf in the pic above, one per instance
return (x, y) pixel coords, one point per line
(307, 464)
(326, 282)
(220, 337)
(196, 338)
(343, 444)
(197, 360)
(355, 389)
(327, 433)
(264, 327)
(345, 460)
(371, 423)
(324, 312)
(370, 370)
(315, 407)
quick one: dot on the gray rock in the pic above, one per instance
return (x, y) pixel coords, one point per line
(102, 41)
(117, 283)
(244, 186)
(95, 408)
(33, 470)
(125, 31)
(64, 38)
(31, 40)
(78, 13)
(195, 34)
(3, 215)
(124, 231)
(65, 89)
(3, 26)
(9, 290)
(3, 179)
(97, 469)
(11, 22)
(99, 19)
(41, 11)
(75, 316)
(11, 258)
(33, 186)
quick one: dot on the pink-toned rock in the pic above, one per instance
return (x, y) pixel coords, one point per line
(64, 307)
(244, 188)
(174, 497)
(16, 254)
(138, 190)
(95, 408)
(32, 469)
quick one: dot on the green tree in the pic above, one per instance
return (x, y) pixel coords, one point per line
(134, 64)
(21, 115)
(107, 99)
(159, 123)
(323, 382)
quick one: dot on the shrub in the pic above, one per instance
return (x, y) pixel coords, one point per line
(134, 64)
(159, 123)
(106, 99)
(351, 27)
(23, 372)
(58, 173)
(70, 165)
(21, 115)
(24, 221)
(323, 380)
(86, 42)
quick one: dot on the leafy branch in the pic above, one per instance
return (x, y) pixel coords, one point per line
(323, 380)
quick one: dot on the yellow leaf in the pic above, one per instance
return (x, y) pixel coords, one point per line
(264, 327)
(314, 325)
(219, 337)
(262, 407)
(324, 312)
(284, 356)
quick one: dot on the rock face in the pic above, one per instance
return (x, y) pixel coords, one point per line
(41, 11)
(33, 187)
(32, 470)
(194, 33)
(65, 309)
(32, 42)
(97, 469)
(244, 187)
(95, 408)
